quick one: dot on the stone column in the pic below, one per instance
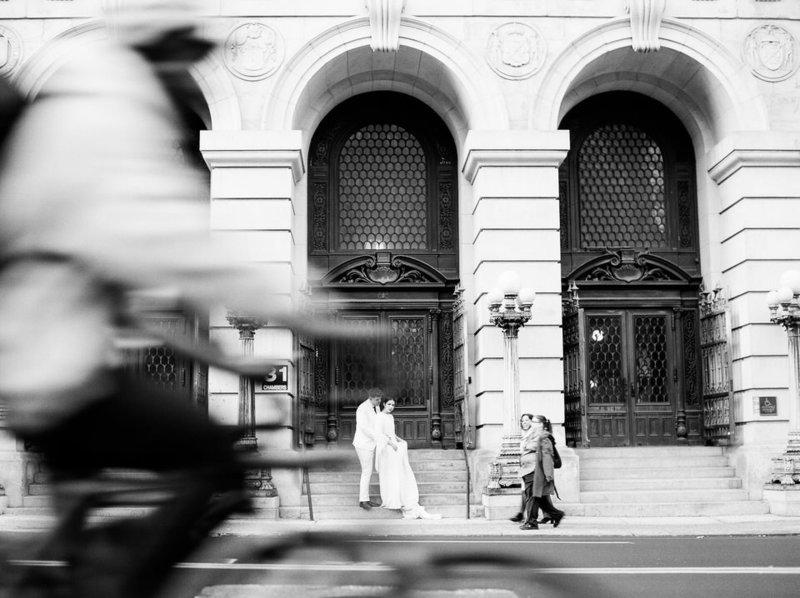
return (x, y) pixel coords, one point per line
(258, 481)
(758, 181)
(515, 226)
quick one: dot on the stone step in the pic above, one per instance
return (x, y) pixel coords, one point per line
(426, 465)
(647, 452)
(435, 454)
(36, 502)
(659, 484)
(344, 500)
(322, 477)
(663, 496)
(39, 489)
(673, 472)
(352, 488)
(706, 508)
(331, 513)
(654, 463)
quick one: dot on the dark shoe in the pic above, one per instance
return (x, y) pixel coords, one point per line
(545, 520)
(374, 504)
(516, 518)
(557, 519)
(527, 526)
(365, 504)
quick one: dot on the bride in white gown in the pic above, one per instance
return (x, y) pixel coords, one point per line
(398, 484)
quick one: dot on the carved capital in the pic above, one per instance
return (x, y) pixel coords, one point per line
(246, 325)
(384, 22)
(646, 18)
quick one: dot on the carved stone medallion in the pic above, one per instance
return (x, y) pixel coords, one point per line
(515, 51)
(253, 51)
(10, 50)
(771, 53)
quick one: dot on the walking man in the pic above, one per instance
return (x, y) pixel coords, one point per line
(364, 442)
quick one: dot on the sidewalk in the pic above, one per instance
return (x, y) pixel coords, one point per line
(750, 525)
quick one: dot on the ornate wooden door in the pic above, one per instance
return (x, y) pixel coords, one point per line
(398, 358)
(631, 377)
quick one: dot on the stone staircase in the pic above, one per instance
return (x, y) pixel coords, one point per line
(660, 482)
(441, 477)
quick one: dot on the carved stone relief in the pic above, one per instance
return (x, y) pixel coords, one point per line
(253, 51)
(10, 50)
(771, 53)
(628, 265)
(515, 51)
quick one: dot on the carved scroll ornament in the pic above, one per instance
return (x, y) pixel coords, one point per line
(383, 269)
(629, 265)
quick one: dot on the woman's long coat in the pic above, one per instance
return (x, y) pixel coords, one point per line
(543, 477)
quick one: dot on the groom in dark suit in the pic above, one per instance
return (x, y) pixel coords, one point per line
(364, 443)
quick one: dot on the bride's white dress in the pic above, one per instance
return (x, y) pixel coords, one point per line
(398, 484)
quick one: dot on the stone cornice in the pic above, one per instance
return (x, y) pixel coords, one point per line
(513, 149)
(253, 149)
(736, 159)
(257, 159)
(514, 158)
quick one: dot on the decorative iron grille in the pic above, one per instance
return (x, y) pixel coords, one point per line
(650, 334)
(407, 361)
(605, 359)
(716, 364)
(622, 189)
(573, 379)
(463, 420)
(159, 363)
(306, 388)
(382, 190)
(358, 364)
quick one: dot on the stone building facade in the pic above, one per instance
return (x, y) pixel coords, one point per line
(635, 162)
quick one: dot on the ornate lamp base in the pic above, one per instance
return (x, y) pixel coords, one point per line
(786, 468)
(504, 471)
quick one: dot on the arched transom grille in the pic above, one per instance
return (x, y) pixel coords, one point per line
(622, 192)
(382, 190)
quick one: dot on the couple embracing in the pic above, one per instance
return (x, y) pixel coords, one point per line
(377, 445)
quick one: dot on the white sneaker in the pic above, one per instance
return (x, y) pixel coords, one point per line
(425, 515)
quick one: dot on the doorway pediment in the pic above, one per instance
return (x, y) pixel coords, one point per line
(630, 266)
(382, 269)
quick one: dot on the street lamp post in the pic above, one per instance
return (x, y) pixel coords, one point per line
(509, 310)
(784, 308)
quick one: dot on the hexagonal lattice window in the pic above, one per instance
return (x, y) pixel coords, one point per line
(605, 359)
(382, 190)
(650, 333)
(622, 192)
(408, 361)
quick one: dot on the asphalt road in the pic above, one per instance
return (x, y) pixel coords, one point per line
(688, 566)
(683, 567)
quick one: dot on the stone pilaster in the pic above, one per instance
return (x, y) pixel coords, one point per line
(758, 177)
(515, 226)
(254, 177)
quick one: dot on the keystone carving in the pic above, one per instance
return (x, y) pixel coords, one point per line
(646, 18)
(384, 22)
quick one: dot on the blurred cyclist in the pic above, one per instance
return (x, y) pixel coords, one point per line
(94, 202)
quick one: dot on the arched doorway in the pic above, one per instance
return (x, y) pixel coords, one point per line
(630, 271)
(383, 254)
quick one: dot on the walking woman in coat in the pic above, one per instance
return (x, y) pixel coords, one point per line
(527, 431)
(536, 469)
